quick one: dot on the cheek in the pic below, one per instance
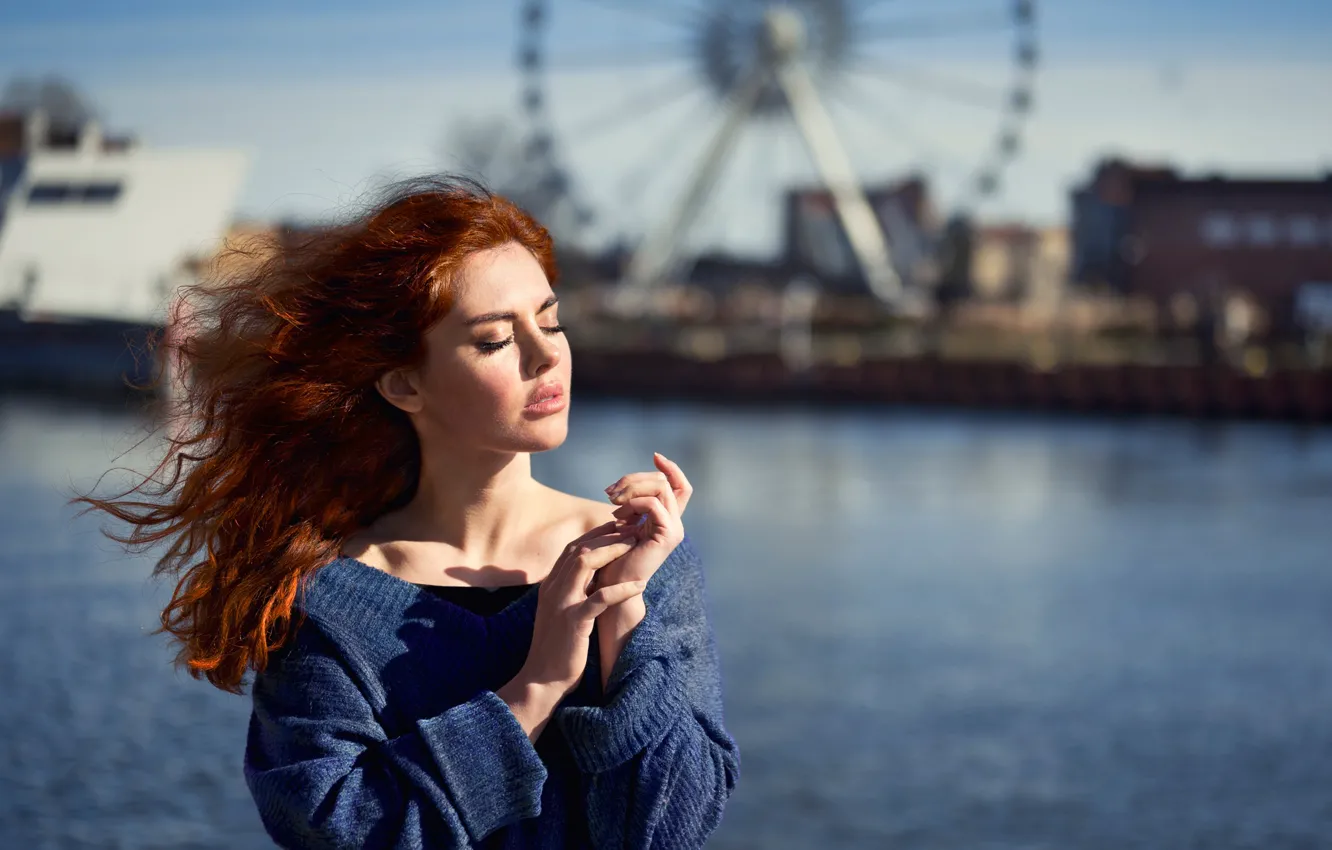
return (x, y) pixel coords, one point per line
(489, 383)
(498, 384)
(466, 391)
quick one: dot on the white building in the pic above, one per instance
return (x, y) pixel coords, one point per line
(92, 228)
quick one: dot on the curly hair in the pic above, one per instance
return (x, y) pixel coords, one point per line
(282, 446)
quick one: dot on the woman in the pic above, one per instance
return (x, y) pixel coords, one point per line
(446, 653)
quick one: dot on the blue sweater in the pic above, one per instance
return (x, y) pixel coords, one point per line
(378, 725)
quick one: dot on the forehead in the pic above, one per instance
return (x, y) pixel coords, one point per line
(504, 278)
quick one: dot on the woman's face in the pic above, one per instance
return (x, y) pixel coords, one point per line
(497, 351)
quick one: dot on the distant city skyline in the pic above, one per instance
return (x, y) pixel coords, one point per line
(330, 98)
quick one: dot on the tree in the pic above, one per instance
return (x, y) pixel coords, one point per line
(63, 103)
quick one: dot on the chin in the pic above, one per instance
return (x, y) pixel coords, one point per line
(543, 434)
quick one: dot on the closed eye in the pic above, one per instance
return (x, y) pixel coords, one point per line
(492, 347)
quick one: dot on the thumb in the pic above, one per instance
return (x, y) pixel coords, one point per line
(611, 595)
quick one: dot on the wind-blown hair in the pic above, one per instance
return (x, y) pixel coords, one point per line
(282, 446)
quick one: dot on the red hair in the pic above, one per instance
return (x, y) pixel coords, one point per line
(283, 446)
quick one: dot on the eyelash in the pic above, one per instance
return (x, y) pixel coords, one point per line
(492, 347)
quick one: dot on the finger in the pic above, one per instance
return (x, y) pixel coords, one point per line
(608, 596)
(634, 516)
(654, 509)
(591, 534)
(619, 483)
(609, 539)
(573, 573)
(592, 558)
(633, 478)
(633, 512)
(626, 514)
(647, 484)
(679, 483)
(567, 564)
(665, 520)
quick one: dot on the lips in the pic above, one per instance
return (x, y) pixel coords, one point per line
(545, 393)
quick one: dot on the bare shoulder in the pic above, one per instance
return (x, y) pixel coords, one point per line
(568, 516)
(378, 551)
(577, 515)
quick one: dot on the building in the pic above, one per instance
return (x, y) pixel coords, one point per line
(96, 235)
(98, 227)
(1198, 245)
(1099, 222)
(814, 242)
(1018, 262)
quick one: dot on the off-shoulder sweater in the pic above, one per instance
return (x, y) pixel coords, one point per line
(378, 725)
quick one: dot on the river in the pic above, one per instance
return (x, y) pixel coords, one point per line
(937, 630)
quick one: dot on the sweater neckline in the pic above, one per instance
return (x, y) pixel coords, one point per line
(530, 594)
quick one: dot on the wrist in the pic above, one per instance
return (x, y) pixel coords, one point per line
(532, 703)
(614, 626)
(622, 618)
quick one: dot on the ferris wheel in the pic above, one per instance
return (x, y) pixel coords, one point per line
(802, 69)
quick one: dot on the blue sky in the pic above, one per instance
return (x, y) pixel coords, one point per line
(329, 96)
(131, 37)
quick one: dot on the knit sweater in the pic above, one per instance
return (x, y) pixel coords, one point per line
(378, 725)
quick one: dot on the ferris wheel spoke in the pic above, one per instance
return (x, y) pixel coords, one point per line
(656, 10)
(633, 108)
(670, 147)
(887, 123)
(1020, 7)
(766, 161)
(835, 169)
(622, 58)
(937, 26)
(940, 85)
(778, 66)
(660, 248)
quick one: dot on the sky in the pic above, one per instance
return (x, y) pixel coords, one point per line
(331, 97)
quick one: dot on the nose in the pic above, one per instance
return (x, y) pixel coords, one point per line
(541, 355)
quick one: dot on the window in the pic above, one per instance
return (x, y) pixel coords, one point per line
(1303, 230)
(1262, 229)
(102, 192)
(50, 193)
(1219, 229)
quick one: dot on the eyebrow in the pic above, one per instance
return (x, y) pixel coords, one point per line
(508, 317)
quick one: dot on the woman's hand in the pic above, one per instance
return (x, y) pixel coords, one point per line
(567, 608)
(658, 498)
(650, 505)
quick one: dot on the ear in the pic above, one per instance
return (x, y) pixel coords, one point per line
(401, 389)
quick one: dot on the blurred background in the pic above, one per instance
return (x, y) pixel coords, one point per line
(993, 335)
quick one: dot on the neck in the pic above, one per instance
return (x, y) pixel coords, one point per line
(473, 501)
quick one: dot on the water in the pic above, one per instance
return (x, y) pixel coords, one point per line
(938, 630)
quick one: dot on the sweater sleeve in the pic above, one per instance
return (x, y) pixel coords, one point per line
(659, 762)
(324, 774)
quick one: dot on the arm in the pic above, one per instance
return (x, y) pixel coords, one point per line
(324, 774)
(613, 630)
(532, 704)
(661, 765)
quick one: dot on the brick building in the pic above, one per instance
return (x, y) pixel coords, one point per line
(1195, 245)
